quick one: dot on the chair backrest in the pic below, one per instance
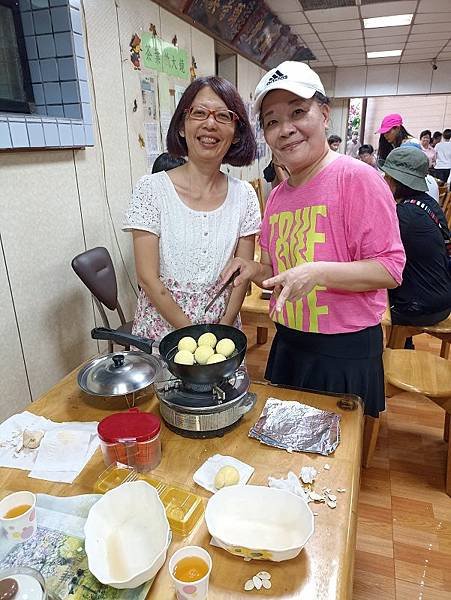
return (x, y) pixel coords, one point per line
(257, 184)
(95, 268)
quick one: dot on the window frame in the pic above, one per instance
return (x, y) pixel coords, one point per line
(17, 106)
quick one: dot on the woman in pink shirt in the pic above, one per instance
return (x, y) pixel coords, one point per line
(330, 248)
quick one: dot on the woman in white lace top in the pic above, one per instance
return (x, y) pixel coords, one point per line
(189, 222)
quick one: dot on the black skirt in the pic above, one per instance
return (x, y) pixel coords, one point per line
(341, 363)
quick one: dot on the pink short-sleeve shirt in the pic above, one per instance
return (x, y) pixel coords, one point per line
(345, 213)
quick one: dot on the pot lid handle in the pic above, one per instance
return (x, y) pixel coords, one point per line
(118, 360)
(125, 339)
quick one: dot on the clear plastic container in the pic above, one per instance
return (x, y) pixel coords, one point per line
(131, 438)
(183, 508)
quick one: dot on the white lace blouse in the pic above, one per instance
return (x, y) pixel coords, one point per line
(194, 245)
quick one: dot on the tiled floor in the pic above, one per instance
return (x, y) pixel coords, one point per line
(404, 521)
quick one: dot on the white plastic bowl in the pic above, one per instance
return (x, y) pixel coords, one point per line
(127, 535)
(259, 522)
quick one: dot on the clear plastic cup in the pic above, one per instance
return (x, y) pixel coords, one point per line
(190, 589)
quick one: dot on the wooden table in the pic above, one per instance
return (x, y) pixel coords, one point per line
(322, 571)
(255, 313)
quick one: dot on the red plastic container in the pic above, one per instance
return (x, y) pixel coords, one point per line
(131, 438)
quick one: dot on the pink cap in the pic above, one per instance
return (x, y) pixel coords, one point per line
(388, 122)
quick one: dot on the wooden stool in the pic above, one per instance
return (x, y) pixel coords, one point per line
(422, 373)
(255, 312)
(442, 331)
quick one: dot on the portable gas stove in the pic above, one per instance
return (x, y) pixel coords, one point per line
(203, 411)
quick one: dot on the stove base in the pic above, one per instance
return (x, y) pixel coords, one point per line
(203, 435)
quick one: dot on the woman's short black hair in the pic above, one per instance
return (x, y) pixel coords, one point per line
(334, 139)
(437, 135)
(403, 191)
(426, 132)
(241, 153)
(366, 149)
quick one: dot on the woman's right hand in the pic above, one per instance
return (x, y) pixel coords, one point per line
(248, 270)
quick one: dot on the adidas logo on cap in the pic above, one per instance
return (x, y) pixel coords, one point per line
(277, 76)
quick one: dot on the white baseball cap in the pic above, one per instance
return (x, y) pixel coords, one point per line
(295, 77)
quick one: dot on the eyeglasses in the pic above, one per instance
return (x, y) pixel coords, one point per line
(199, 113)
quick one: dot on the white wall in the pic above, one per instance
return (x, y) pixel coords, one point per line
(419, 112)
(56, 204)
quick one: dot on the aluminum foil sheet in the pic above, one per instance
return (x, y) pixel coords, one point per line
(293, 426)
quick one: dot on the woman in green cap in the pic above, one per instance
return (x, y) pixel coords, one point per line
(424, 297)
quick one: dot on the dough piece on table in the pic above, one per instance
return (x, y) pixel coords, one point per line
(226, 476)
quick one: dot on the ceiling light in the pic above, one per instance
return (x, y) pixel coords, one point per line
(393, 21)
(384, 53)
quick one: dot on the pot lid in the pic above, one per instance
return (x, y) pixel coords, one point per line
(118, 374)
(132, 425)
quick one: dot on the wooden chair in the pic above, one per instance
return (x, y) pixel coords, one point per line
(422, 373)
(257, 184)
(442, 331)
(255, 313)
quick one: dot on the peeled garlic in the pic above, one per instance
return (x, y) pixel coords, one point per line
(257, 582)
(264, 575)
(249, 585)
(266, 584)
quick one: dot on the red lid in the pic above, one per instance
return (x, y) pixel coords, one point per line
(131, 425)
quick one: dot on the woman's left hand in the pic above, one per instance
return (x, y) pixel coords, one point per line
(294, 283)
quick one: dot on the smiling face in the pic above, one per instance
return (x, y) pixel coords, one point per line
(295, 128)
(392, 134)
(208, 140)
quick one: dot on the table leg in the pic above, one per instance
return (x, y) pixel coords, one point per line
(446, 428)
(370, 433)
(262, 335)
(448, 469)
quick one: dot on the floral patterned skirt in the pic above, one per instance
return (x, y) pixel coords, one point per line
(191, 298)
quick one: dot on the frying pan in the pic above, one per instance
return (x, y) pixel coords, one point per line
(194, 374)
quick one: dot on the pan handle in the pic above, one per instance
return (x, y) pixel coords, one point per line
(126, 339)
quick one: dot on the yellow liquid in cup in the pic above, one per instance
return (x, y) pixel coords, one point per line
(17, 511)
(190, 569)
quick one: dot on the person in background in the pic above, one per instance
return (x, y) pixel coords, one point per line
(424, 297)
(392, 135)
(443, 161)
(330, 247)
(274, 174)
(352, 146)
(366, 155)
(436, 138)
(166, 162)
(425, 146)
(189, 222)
(334, 142)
